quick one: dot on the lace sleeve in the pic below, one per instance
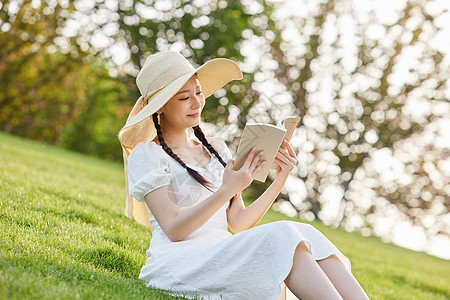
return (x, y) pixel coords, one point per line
(147, 171)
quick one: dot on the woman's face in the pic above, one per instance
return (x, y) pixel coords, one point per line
(184, 109)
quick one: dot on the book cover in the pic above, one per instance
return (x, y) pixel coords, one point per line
(267, 138)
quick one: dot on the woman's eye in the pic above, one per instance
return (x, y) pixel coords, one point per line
(198, 93)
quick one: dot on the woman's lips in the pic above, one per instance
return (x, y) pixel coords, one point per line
(194, 115)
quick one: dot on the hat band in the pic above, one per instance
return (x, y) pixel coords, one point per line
(148, 96)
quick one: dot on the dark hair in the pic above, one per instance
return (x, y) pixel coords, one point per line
(201, 136)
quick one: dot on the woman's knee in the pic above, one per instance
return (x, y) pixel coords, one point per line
(302, 246)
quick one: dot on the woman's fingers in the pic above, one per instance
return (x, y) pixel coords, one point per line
(290, 150)
(258, 167)
(289, 153)
(288, 161)
(249, 158)
(255, 160)
(280, 165)
(281, 161)
(283, 156)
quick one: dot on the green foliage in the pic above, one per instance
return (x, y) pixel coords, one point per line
(103, 114)
(64, 235)
(40, 96)
(57, 89)
(41, 89)
(54, 93)
(201, 32)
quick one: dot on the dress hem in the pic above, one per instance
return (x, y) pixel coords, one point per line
(197, 292)
(189, 290)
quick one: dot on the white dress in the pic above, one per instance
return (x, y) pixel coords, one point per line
(212, 262)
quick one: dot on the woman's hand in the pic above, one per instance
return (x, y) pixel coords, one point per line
(238, 180)
(285, 160)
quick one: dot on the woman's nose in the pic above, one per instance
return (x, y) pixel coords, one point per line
(197, 101)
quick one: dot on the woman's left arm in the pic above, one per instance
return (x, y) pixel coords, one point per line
(241, 218)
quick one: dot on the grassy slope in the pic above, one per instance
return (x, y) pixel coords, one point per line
(64, 235)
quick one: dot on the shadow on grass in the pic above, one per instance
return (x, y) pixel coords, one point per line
(110, 259)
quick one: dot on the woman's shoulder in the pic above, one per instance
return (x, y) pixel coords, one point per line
(145, 150)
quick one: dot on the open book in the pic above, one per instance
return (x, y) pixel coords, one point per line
(267, 138)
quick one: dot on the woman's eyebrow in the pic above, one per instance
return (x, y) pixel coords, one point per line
(186, 91)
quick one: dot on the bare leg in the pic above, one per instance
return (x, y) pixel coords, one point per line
(342, 279)
(282, 295)
(307, 280)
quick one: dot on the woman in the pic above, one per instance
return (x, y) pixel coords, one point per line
(192, 194)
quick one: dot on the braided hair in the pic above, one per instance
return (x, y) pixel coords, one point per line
(201, 136)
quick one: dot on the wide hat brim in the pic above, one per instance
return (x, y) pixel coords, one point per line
(212, 75)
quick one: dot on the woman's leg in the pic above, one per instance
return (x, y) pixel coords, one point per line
(307, 280)
(282, 295)
(342, 279)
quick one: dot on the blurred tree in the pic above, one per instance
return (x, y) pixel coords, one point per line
(103, 114)
(199, 30)
(38, 83)
(363, 85)
(54, 89)
(355, 80)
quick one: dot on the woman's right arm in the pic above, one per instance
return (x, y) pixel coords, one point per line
(178, 225)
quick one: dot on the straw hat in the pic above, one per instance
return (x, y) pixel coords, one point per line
(161, 77)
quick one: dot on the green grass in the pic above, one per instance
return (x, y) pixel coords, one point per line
(63, 235)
